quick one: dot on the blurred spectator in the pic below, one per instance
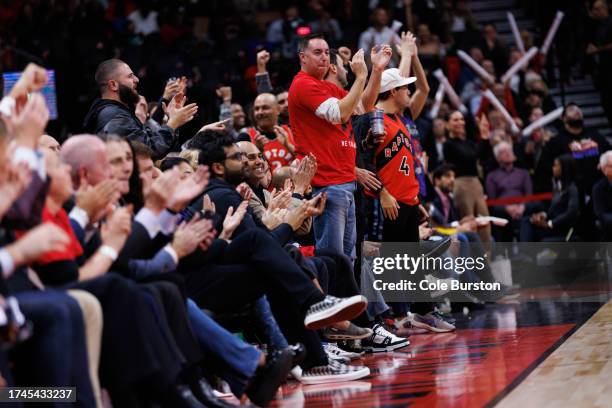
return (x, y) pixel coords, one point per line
(494, 49)
(602, 197)
(534, 143)
(283, 32)
(562, 214)
(144, 19)
(584, 144)
(430, 48)
(327, 25)
(599, 48)
(463, 152)
(505, 182)
(378, 32)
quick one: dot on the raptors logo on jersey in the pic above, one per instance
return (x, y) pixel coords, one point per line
(395, 163)
(275, 152)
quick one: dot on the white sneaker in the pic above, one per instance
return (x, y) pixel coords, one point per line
(333, 372)
(333, 349)
(332, 310)
(383, 340)
(337, 358)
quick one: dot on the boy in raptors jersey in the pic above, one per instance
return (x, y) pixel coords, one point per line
(275, 141)
(394, 162)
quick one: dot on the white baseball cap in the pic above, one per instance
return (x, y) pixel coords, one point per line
(391, 79)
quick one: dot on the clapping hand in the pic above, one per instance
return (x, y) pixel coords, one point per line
(233, 219)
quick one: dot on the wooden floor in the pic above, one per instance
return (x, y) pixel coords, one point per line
(534, 353)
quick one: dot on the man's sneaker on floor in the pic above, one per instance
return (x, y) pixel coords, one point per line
(447, 318)
(430, 322)
(353, 332)
(333, 372)
(434, 247)
(332, 310)
(337, 358)
(332, 349)
(382, 340)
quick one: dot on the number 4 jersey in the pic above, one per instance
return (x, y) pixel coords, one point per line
(395, 163)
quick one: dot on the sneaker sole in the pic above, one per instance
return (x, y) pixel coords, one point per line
(386, 349)
(337, 337)
(346, 310)
(354, 375)
(430, 328)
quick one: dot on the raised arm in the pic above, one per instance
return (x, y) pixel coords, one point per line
(380, 57)
(348, 104)
(410, 59)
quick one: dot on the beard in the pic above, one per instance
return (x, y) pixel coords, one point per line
(129, 97)
(234, 177)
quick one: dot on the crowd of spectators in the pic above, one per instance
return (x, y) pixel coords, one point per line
(247, 185)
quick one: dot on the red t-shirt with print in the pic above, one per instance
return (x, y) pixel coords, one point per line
(333, 145)
(276, 153)
(395, 162)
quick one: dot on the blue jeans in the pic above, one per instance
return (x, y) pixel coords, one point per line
(273, 335)
(235, 360)
(336, 229)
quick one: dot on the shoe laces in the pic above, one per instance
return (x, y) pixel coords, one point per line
(381, 331)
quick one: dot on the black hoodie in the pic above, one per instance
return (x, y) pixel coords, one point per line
(224, 195)
(111, 117)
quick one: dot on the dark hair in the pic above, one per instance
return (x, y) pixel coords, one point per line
(304, 41)
(442, 170)
(141, 150)
(105, 71)
(169, 162)
(212, 146)
(334, 55)
(333, 59)
(567, 106)
(134, 196)
(383, 96)
(568, 170)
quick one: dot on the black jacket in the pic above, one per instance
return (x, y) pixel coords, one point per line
(224, 195)
(108, 116)
(587, 173)
(564, 208)
(602, 205)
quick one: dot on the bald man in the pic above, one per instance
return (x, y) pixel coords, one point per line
(49, 142)
(86, 155)
(276, 142)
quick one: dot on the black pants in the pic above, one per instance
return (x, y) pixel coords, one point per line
(174, 321)
(341, 279)
(405, 228)
(132, 346)
(251, 266)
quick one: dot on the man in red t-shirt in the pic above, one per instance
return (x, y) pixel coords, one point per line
(319, 114)
(276, 142)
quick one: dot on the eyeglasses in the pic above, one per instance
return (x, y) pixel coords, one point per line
(254, 156)
(238, 156)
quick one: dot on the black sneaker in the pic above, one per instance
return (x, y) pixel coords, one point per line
(434, 248)
(299, 353)
(268, 378)
(332, 310)
(382, 340)
(448, 319)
